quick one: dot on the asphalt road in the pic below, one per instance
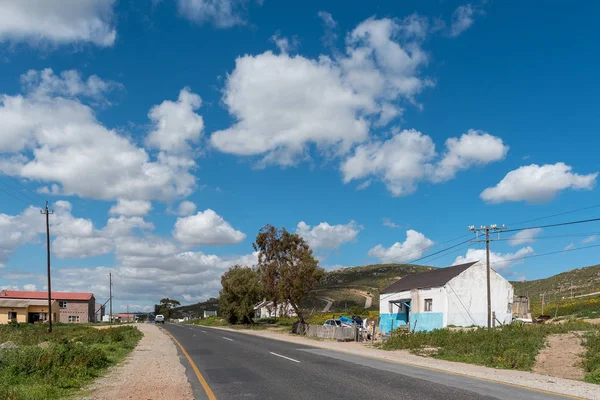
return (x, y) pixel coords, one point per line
(234, 366)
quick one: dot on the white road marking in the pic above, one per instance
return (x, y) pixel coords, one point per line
(203, 331)
(226, 338)
(287, 358)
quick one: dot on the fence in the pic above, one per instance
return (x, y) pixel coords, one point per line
(340, 333)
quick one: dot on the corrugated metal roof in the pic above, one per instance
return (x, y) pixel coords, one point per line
(22, 294)
(435, 278)
(21, 303)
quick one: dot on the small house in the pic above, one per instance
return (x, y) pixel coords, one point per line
(209, 313)
(26, 310)
(74, 307)
(455, 295)
(266, 309)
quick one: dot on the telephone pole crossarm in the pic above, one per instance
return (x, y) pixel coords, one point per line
(487, 229)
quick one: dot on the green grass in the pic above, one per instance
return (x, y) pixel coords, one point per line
(592, 357)
(582, 307)
(584, 280)
(509, 347)
(71, 357)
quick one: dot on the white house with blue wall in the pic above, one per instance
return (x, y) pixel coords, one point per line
(455, 295)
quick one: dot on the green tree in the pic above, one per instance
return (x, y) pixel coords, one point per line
(166, 306)
(287, 268)
(241, 291)
(270, 256)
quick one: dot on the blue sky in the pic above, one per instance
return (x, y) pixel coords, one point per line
(165, 134)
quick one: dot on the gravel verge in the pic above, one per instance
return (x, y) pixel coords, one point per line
(522, 378)
(151, 371)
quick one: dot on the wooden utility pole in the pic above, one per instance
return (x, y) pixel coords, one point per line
(487, 229)
(543, 303)
(110, 296)
(47, 212)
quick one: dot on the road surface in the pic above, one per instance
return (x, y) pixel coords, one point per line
(231, 365)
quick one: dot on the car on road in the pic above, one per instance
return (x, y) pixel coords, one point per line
(159, 319)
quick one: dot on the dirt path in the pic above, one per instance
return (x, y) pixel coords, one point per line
(151, 371)
(328, 305)
(562, 357)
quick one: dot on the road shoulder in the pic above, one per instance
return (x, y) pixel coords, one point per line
(152, 370)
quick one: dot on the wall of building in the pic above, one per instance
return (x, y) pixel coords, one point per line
(44, 309)
(21, 314)
(79, 308)
(467, 297)
(391, 316)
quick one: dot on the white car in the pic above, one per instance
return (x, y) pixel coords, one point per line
(159, 319)
(333, 322)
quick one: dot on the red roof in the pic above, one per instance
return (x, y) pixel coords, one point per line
(21, 294)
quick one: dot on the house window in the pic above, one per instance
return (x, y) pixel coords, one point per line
(391, 307)
(428, 304)
(12, 315)
(62, 304)
(73, 318)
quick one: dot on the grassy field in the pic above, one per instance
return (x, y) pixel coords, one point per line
(592, 357)
(584, 280)
(583, 307)
(511, 347)
(53, 366)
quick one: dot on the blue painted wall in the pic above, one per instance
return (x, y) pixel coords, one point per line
(426, 321)
(386, 321)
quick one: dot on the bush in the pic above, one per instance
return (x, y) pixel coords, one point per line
(71, 357)
(509, 347)
(592, 357)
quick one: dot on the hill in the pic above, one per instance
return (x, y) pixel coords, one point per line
(357, 286)
(583, 281)
(197, 310)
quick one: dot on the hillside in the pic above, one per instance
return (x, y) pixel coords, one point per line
(197, 310)
(348, 287)
(584, 280)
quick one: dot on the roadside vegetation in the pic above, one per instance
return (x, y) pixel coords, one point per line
(592, 357)
(582, 307)
(510, 347)
(40, 365)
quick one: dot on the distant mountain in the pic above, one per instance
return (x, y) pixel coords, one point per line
(197, 310)
(583, 280)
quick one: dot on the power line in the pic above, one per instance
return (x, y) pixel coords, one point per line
(554, 225)
(545, 254)
(554, 215)
(440, 251)
(42, 200)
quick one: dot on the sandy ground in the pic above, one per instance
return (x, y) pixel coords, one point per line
(151, 372)
(521, 378)
(562, 357)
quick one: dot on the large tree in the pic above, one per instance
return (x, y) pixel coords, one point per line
(241, 291)
(268, 244)
(165, 306)
(287, 268)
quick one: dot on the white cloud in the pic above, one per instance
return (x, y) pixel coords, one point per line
(284, 104)
(185, 208)
(472, 148)
(221, 13)
(206, 228)
(131, 208)
(590, 239)
(536, 184)
(176, 125)
(325, 236)
(30, 287)
(415, 245)
(462, 19)
(570, 246)
(526, 236)
(59, 140)
(409, 156)
(327, 19)
(58, 21)
(329, 37)
(390, 224)
(400, 162)
(69, 83)
(497, 260)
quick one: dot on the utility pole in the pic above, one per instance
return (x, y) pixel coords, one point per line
(571, 288)
(128, 320)
(110, 296)
(542, 303)
(487, 229)
(47, 212)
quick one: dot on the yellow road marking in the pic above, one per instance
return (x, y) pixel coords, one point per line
(207, 389)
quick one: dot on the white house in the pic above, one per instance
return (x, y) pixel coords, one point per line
(209, 313)
(455, 295)
(265, 309)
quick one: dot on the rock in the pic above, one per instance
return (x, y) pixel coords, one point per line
(43, 345)
(8, 345)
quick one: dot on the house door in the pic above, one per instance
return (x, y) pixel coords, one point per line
(32, 317)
